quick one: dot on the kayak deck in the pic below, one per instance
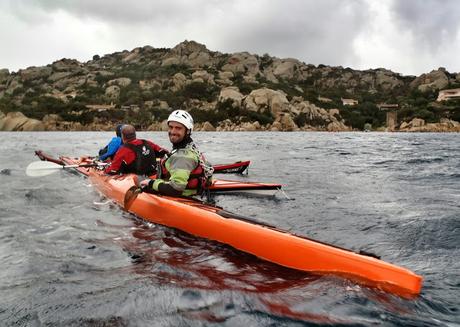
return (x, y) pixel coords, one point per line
(218, 186)
(250, 236)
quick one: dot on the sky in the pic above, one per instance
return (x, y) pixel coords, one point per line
(410, 37)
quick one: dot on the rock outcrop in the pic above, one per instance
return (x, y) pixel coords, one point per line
(267, 99)
(242, 62)
(435, 80)
(16, 121)
(419, 125)
(231, 93)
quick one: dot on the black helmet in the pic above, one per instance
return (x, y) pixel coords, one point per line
(118, 129)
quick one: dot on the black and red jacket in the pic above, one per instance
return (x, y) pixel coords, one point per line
(138, 157)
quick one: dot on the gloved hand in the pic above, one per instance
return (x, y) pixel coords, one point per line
(95, 159)
(147, 187)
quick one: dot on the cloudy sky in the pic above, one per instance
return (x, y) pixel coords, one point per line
(407, 36)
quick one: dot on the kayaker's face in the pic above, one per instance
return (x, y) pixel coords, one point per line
(176, 132)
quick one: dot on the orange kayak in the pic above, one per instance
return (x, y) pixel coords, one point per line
(264, 241)
(218, 186)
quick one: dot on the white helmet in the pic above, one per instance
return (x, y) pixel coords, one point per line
(182, 117)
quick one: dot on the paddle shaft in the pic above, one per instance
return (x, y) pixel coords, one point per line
(84, 165)
(43, 168)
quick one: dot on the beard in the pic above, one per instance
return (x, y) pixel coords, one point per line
(175, 138)
(178, 141)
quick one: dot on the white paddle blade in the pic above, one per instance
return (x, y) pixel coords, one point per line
(42, 168)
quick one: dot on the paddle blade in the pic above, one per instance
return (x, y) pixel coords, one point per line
(130, 196)
(42, 168)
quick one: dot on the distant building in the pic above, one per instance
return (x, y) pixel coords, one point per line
(132, 107)
(392, 117)
(388, 106)
(349, 102)
(451, 94)
(100, 107)
(324, 99)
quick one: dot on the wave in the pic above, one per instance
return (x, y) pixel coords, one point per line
(424, 160)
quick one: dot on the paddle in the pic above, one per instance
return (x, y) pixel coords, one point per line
(43, 168)
(131, 195)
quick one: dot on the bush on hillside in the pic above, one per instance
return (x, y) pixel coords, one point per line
(200, 91)
(302, 119)
(130, 94)
(367, 112)
(225, 110)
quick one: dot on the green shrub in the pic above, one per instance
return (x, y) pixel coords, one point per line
(201, 91)
(426, 115)
(367, 112)
(101, 79)
(227, 109)
(159, 114)
(201, 116)
(455, 114)
(302, 119)
(263, 118)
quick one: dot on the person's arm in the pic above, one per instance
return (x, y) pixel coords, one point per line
(112, 148)
(123, 156)
(162, 187)
(159, 151)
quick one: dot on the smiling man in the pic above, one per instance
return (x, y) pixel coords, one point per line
(185, 171)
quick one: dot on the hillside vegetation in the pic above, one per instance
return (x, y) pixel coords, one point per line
(239, 91)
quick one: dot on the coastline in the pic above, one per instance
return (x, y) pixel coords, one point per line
(17, 121)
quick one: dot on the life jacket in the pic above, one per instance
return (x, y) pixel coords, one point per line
(145, 162)
(200, 177)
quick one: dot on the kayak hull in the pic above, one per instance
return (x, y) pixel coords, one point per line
(238, 167)
(266, 242)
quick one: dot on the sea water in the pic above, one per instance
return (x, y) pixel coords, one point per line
(70, 257)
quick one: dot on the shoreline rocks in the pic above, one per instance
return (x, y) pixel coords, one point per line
(17, 121)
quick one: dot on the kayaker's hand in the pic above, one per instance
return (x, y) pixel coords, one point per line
(146, 186)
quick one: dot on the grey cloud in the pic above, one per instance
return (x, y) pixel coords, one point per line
(312, 31)
(431, 21)
(116, 11)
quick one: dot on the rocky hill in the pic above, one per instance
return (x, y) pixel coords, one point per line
(239, 91)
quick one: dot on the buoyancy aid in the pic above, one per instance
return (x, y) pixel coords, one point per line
(145, 162)
(200, 177)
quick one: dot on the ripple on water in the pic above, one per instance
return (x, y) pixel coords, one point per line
(391, 193)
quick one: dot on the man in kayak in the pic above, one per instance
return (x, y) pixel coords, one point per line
(135, 155)
(110, 149)
(184, 171)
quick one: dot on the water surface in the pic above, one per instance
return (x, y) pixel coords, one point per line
(72, 258)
